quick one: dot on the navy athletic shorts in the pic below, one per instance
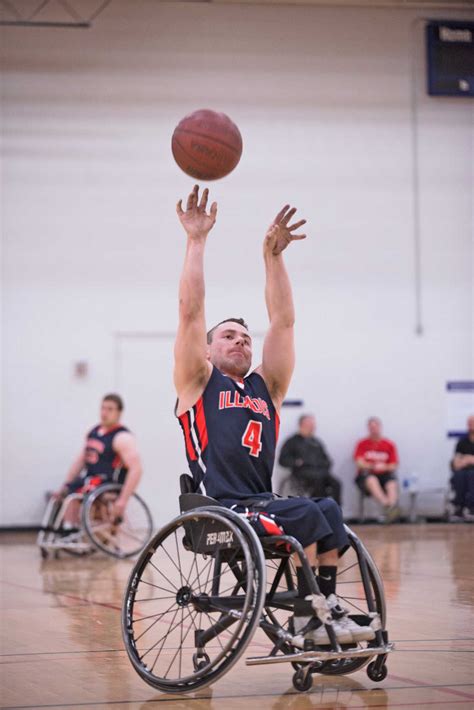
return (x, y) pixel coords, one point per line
(308, 520)
(383, 479)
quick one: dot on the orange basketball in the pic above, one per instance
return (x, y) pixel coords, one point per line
(207, 145)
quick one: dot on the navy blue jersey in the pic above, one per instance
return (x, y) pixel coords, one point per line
(100, 457)
(230, 436)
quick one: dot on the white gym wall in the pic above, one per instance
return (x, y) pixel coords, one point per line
(332, 107)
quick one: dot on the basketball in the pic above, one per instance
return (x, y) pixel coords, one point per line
(207, 145)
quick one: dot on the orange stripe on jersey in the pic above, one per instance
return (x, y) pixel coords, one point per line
(277, 426)
(201, 423)
(183, 418)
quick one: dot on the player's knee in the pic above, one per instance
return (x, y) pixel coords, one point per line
(331, 510)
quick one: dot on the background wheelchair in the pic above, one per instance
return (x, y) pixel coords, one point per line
(206, 585)
(98, 528)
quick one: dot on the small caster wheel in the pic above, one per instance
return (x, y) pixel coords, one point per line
(376, 675)
(298, 665)
(200, 661)
(302, 681)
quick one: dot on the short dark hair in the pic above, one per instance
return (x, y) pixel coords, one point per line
(114, 398)
(374, 419)
(240, 321)
(303, 417)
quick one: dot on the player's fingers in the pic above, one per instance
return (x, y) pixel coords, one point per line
(203, 203)
(288, 216)
(179, 208)
(281, 214)
(296, 225)
(193, 197)
(214, 210)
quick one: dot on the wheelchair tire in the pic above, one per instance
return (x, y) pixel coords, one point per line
(209, 564)
(282, 586)
(124, 539)
(359, 604)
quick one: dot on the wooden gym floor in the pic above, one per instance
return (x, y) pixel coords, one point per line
(62, 648)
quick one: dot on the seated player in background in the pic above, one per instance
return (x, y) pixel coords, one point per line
(109, 454)
(230, 417)
(309, 462)
(462, 479)
(377, 460)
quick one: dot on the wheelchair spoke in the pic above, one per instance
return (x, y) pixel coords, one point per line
(151, 616)
(179, 558)
(179, 649)
(168, 611)
(362, 611)
(219, 575)
(171, 628)
(156, 644)
(212, 624)
(163, 575)
(196, 566)
(208, 575)
(155, 599)
(346, 569)
(170, 558)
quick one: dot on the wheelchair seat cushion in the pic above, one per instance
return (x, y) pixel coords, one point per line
(263, 523)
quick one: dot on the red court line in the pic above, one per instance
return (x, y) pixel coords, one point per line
(405, 705)
(469, 696)
(189, 700)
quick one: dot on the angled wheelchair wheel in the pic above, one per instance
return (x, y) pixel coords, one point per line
(360, 588)
(123, 538)
(194, 600)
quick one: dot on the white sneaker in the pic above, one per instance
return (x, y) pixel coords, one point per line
(341, 616)
(319, 635)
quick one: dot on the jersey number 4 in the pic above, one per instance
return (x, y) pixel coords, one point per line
(252, 437)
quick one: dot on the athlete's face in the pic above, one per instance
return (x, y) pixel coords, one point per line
(109, 414)
(231, 349)
(308, 426)
(375, 428)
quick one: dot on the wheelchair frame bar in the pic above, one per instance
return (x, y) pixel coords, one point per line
(321, 656)
(47, 529)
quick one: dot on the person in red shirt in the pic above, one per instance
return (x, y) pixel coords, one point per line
(377, 460)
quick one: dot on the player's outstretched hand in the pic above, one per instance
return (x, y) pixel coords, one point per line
(280, 232)
(195, 220)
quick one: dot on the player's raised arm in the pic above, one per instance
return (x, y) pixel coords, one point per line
(278, 349)
(192, 369)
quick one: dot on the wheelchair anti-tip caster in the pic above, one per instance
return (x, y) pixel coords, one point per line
(376, 674)
(200, 660)
(302, 680)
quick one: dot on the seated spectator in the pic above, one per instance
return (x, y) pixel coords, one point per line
(462, 479)
(376, 460)
(310, 465)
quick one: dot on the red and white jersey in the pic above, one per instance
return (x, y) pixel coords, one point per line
(382, 451)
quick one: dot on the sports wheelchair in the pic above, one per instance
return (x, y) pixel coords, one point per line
(98, 528)
(206, 586)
